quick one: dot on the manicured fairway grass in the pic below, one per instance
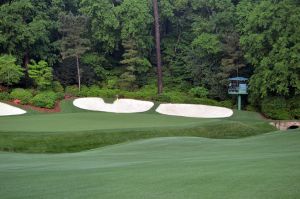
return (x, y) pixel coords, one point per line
(76, 130)
(260, 167)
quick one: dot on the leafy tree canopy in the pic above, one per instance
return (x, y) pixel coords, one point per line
(270, 38)
(10, 73)
(41, 73)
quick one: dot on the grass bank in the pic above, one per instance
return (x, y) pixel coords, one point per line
(261, 167)
(75, 130)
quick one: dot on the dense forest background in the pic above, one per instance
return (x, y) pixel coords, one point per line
(110, 43)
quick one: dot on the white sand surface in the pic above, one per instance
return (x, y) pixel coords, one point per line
(119, 106)
(6, 109)
(192, 110)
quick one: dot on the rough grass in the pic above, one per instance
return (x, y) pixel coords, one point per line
(75, 130)
(260, 167)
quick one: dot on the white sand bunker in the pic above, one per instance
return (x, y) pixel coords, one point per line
(6, 109)
(192, 110)
(119, 106)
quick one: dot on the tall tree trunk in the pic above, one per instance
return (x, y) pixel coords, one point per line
(78, 72)
(25, 64)
(158, 53)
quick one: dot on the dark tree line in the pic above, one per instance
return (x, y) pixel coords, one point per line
(203, 43)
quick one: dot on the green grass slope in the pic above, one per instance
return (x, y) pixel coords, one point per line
(260, 167)
(75, 130)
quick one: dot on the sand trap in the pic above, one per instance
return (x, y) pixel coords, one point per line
(192, 110)
(119, 106)
(6, 109)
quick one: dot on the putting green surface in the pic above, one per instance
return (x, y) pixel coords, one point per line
(74, 130)
(264, 166)
(90, 121)
(72, 119)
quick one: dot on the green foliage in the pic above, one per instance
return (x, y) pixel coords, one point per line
(162, 98)
(41, 73)
(57, 87)
(98, 64)
(199, 92)
(46, 99)
(73, 28)
(270, 38)
(294, 104)
(203, 42)
(276, 108)
(26, 27)
(112, 82)
(103, 21)
(136, 20)
(204, 101)
(251, 108)
(215, 55)
(21, 94)
(72, 91)
(4, 96)
(227, 104)
(135, 65)
(74, 42)
(206, 44)
(10, 73)
(296, 113)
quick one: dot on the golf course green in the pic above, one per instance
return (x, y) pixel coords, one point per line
(91, 155)
(264, 166)
(74, 130)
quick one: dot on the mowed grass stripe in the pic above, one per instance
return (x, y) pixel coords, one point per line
(86, 121)
(265, 166)
(75, 130)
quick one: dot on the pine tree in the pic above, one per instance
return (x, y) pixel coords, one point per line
(73, 43)
(134, 64)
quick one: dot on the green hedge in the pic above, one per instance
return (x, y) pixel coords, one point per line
(57, 87)
(21, 94)
(199, 91)
(72, 91)
(276, 108)
(295, 107)
(4, 96)
(45, 99)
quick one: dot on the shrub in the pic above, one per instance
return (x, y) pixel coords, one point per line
(177, 97)
(41, 73)
(82, 93)
(204, 101)
(109, 93)
(21, 94)
(251, 108)
(147, 92)
(72, 91)
(45, 99)
(275, 108)
(199, 91)
(57, 87)
(4, 96)
(60, 95)
(296, 113)
(295, 106)
(226, 103)
(294, 102)
(112, 83)
(162, 98)
(94, 91)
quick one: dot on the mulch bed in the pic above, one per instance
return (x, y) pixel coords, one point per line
(56, 109)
